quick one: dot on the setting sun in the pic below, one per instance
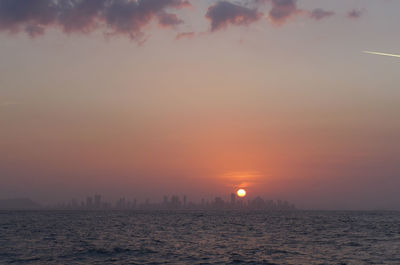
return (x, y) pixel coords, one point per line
(241, 193)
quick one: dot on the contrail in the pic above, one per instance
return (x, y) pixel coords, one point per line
(384, 54)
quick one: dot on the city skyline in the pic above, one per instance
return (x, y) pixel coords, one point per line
(173, 202)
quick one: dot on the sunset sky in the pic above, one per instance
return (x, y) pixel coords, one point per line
(200, 97)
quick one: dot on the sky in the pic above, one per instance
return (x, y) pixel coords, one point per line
(201, 97)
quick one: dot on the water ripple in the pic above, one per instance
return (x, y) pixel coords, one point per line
(47, 237)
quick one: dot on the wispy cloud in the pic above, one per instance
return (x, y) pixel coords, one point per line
(319, 14)
(242, 179)
(354, 14)
(185, 35)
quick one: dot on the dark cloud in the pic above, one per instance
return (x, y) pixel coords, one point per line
(319, 14)
(224, 13)
(80, 16)
(129, 17)
(283, 10)
(167, 20)
(355, 13)
(126, 17)
(29, 14)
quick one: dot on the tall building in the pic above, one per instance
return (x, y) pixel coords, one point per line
(89, 202)
(233, 199)
(218, 203)
(97, 201)
(121, 203)
(175, 202)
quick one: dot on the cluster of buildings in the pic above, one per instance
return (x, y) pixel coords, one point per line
(179, 203)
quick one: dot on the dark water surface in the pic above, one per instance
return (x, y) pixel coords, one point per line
(51, 237)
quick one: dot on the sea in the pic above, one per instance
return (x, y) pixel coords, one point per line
(209, 237)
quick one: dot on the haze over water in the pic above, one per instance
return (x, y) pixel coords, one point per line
(142, 99)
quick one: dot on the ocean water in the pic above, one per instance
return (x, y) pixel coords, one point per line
(76, 237)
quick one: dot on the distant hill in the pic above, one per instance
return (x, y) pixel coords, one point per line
(19, 204)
